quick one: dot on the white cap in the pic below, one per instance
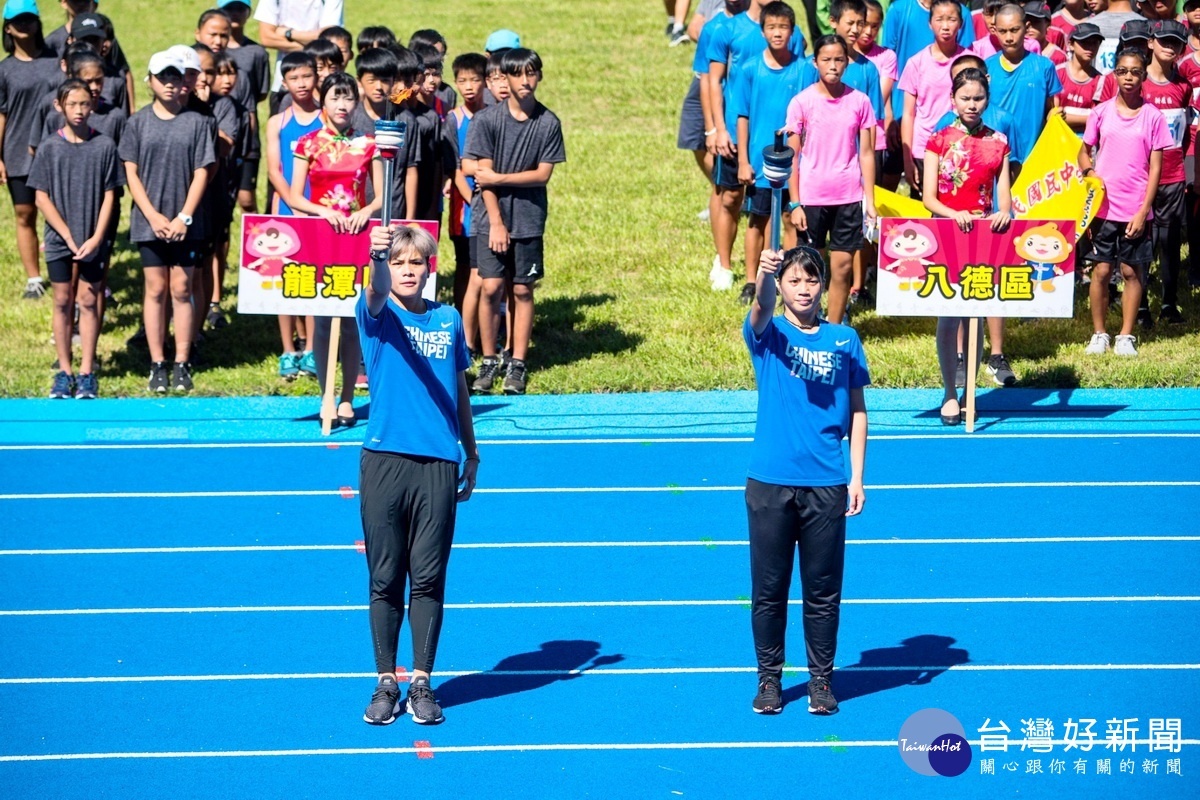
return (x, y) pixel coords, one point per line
(162, 61)
(186, 56)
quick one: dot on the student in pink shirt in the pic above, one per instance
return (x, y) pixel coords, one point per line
(831, 127)
(885, 62)
(926, 85)
(1129, 136)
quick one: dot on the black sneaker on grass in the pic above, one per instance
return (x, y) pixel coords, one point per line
(422, 704)
(87, 387)
(1145, 319)
(514, 377)
(820, 699)
(1000, 371)
(489, 369)
(747, 295)
(63, 386)
(385, 703)
(1170, 315)
(158, 378)
(769, 699)
(181, 377)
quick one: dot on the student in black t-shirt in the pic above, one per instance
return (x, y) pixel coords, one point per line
(511, 151)
(253, 86)
(444, 91)
(378, 71)
(168, 153)
(75, 175)
(26, 75)
(436, 166)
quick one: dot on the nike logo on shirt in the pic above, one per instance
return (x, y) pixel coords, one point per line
(842, 343)
(447, 324)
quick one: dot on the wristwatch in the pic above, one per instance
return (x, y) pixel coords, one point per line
(792, 206)
(288, 34)
(186, 219)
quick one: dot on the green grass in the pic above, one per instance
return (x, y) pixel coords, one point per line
(626, 304)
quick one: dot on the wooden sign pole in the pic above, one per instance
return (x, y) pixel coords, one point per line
(328, 401)
(972, 369)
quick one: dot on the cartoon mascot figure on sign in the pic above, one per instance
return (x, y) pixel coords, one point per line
(272, 243)
(910, 244)
(1044, 248)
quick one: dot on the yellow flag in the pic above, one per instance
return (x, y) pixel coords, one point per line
(890, 204)
(1051, 185)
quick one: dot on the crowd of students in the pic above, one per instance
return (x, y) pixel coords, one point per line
(73, 143)
(875, 100)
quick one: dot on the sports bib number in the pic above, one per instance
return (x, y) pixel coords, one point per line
(1106, 57)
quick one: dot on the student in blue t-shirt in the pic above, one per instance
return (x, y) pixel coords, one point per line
(409, 478)
(810, 375)
(733, 44)
(768, 83)
(1024, 84)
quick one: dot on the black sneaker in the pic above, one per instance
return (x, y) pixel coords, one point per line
(820, 699)
(422, 704)
(1170, 315)
(747, 295)
(1145, 319)
(489, 368)
(87, 387)
(677, 34)
(505, 359)
(181, 377)
(1000, 371)
(960, 373)
(158, 378)
(385, 703)
(514, 377)
(769, 699)
(35, 288)
(63, 386)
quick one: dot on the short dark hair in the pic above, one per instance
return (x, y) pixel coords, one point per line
(223, 62)
(39, 41)
(339, 82)
(495, 63)
(297, 60)
(78, 55)
(875, 5)
(969, 58)
(1131, 50)
(429, 56)
(336, 32)
(840, 7)
(377, 61)
(212, 12)
(470, 62)
(804, 258)
(828, 40)
(70, 85)
(970, 75)
(779, 10)
(325, 49)
(958, 6)
(521, 60)
(428, 37)
(990, 7)
(408, 66)
(374, 36)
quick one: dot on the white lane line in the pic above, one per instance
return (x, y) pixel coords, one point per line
(880, 601)
(590, 441)
(301, 548)
(509, 748)
(571, 673)
(349, 493)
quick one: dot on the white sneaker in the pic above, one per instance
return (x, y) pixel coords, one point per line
(1098, 346)
(722, 279)
(704, 216)
(1124, 345)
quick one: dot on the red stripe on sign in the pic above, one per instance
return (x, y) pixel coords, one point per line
(401, 675)
(424, 749)
(360, 545)
(347, 492)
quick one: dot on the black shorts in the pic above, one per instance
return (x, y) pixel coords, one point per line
(1110, 245)
(248, 180)
(893, 162)
(725, 173)
(1169, 208)
(521, 263)
(691, 120)
(22, 195)
(464, 252)
(841, 225)
(158, 253)
(758, 201)
(61, 270)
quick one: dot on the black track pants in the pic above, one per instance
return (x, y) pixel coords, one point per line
(408, 507)
(782, 517)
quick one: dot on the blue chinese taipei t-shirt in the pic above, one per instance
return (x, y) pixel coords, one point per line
(804, 382)
(414, 361)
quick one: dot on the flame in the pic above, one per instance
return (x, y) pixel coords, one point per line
(400, 95)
